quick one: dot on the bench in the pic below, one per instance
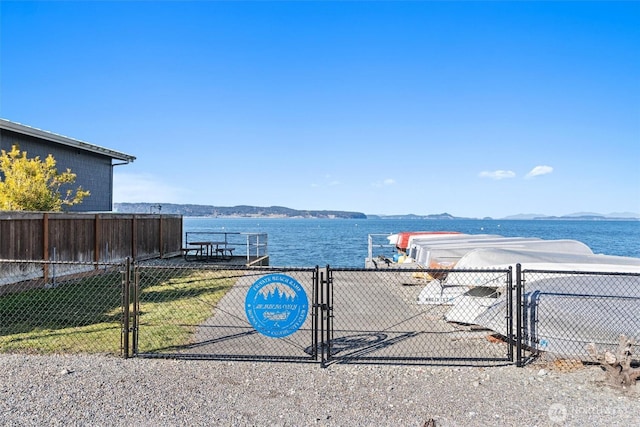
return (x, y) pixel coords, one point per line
(226, 252)
(207, 250)
(186, 253)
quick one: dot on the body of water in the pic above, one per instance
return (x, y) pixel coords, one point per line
(343, 242)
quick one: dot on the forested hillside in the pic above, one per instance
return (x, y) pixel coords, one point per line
(233, 211)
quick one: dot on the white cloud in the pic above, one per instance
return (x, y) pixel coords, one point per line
(384, 183)
(327, 181)
(539, 170)
(497, 175)
(131, 187)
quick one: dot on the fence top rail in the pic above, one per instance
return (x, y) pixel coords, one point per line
(50, 262)
(578, 272)
(37, 215)
(204, 266)
(199, 233)
(244, 233)
(423, 270)
(192, 236)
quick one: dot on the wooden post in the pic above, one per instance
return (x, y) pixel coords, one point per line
(45, 246)
(97, 238)
(134, 237)
(160, 233)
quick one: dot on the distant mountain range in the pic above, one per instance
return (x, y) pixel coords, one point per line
(413, 216)
(584, 216)
(627, 216)
(242, 211)
(282, 212)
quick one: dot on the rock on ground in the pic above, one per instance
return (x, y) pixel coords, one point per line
(102, 390)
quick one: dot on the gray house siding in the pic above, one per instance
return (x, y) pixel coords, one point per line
(94, 171)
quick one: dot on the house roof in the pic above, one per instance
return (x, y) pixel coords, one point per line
(60, 139)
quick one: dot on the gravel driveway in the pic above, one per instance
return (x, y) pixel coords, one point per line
(108, 391)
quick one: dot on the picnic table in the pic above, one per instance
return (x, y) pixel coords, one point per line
(204, 250)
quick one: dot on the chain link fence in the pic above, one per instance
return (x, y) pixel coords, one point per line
(52, 307)
(566, 313)
(190, 310)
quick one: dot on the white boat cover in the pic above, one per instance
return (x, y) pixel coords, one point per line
(557, 259)
(435, 239)
(562, 321)
(430, 255)
(538, 260)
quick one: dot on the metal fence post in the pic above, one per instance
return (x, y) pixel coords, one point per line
(329, 309)
(315, 306)
(324, 353)
(136, 308)
(510, 314)
(325, 291)
(519, 314)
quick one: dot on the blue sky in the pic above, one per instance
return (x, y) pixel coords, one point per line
(471, 108)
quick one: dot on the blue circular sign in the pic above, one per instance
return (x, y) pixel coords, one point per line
(276, 305)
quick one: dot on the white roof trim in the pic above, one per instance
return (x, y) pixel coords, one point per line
(60, 139)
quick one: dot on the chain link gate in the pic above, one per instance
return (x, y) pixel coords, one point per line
(212, 312)
(407, 316)
(350, 315)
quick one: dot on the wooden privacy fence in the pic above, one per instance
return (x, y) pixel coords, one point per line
(85, 237)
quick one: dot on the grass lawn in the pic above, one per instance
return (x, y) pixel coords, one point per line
(84, 315)
(172, 308)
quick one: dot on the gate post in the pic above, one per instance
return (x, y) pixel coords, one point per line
(329, 308)
(315, 307)
(510, 315)
(519, 313)
(325, 289)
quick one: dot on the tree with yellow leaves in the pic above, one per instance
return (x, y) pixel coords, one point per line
(35, 185)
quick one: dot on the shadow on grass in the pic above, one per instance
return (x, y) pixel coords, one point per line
(46, 319)
(83, 302)
(173, 307)
(173, 291)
